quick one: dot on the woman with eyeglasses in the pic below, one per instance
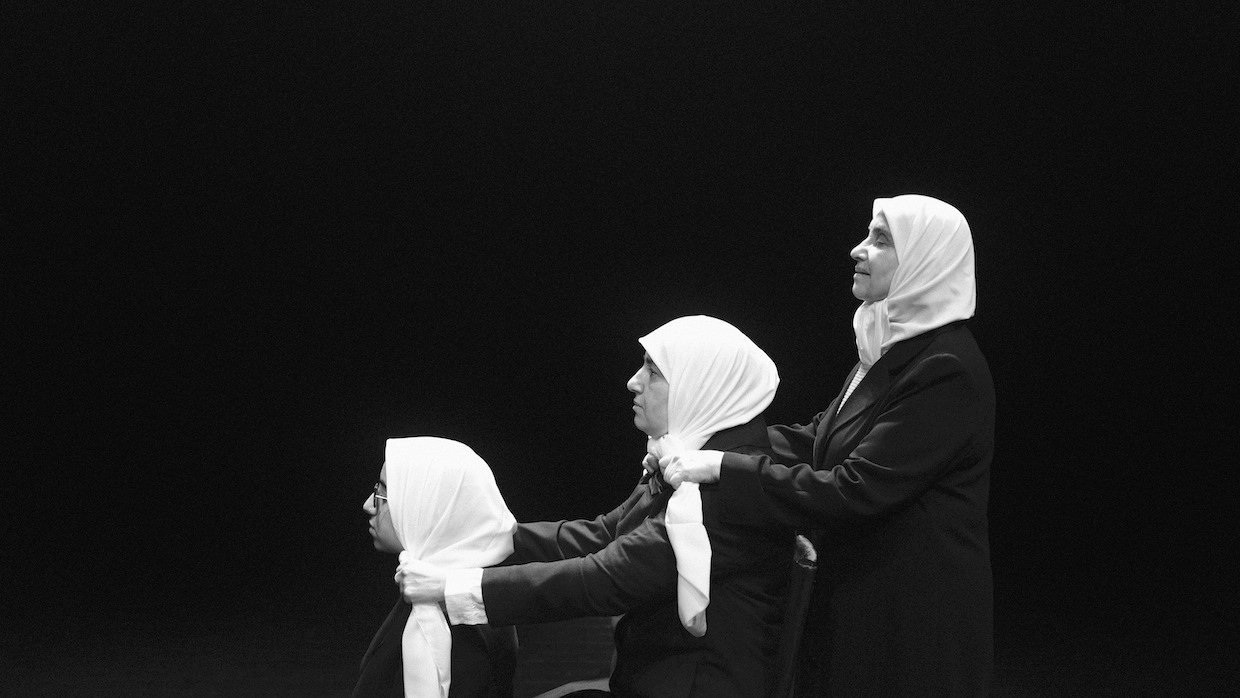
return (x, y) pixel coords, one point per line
(437, 500)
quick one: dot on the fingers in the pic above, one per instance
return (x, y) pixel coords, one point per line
(409, 585)
(650, 463)
(674, 478)
(420, 582)
(674, 473)
(408, 591)
(673, 468)
(406, 574)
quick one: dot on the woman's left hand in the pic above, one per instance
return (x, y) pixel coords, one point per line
(691, 466)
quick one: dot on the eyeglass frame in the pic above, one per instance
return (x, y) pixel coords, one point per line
(378, 496)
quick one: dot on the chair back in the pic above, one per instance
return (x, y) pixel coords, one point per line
(800, 587)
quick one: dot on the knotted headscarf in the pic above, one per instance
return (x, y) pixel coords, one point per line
(717, 379)
(447, 511)
(933, 283)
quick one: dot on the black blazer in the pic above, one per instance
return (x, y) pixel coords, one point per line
(623, 563)
(483, 660)
(896, 487)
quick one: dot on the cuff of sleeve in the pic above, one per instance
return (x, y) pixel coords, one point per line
(462, 595)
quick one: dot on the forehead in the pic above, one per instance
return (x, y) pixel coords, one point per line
(383, 474)
(879, 223)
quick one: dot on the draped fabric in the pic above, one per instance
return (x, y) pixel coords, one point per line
(717, 378)
(447, 511)
(933, 284)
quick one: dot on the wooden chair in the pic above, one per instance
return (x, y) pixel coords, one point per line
(800, 587)
(579, 653)
(581, 688)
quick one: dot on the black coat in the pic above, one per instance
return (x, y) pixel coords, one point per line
(483, 660)
(896, 489)
(623, 563)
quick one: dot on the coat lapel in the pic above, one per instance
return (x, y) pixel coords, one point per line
(393, 627)
(874, 386)
(864, 395)
(381, 665)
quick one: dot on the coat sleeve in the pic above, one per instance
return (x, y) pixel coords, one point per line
(795, 443)
(928, 420)
(636, 568)
(546, 541)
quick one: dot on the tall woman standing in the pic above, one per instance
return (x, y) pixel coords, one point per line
(893, 478)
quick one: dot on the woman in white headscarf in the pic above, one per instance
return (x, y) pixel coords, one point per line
(716, 379)
(436, 500)
(702, 602)
(893, 477)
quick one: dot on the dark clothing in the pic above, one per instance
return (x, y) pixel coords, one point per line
(483, 660)
(896, 489)
(623, 563)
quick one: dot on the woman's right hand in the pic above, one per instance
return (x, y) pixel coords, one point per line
(691, 466)
(420, 582)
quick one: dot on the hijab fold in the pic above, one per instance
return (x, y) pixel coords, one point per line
(933, 283)
(447, 511)
(717, 379)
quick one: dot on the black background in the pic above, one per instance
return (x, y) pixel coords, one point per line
(250, 241)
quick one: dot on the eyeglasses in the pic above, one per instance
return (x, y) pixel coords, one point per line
(378, 496)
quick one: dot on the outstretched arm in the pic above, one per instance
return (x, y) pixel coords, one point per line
(931, 420)
(546, 541)
(638, 567)
(789, 444)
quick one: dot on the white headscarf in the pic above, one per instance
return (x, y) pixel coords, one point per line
(933, 283)
(447, 511)
(717, 378)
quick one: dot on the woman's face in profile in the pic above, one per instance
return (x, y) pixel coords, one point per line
(876, 262)
(381, 528)
(649, 389)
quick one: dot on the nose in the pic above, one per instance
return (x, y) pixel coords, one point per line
(634, 385)
(858, 252)
(368, 505)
